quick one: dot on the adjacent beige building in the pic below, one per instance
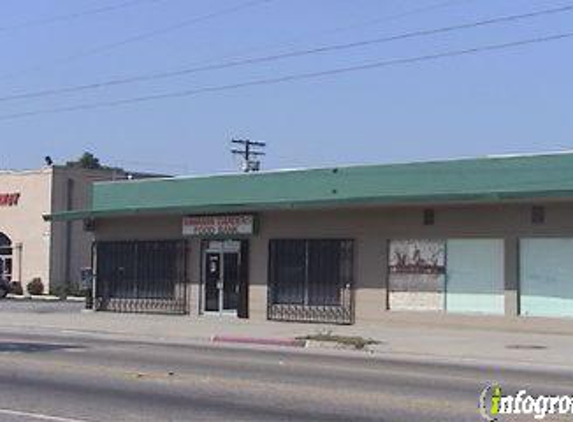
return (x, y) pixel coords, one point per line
(31, 247)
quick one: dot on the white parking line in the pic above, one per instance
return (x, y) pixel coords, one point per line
(38, 416)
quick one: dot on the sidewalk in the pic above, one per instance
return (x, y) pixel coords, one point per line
(494, 341)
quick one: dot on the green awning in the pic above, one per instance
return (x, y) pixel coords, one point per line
(482, 180)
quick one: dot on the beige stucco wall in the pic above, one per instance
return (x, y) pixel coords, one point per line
(57, 251)
(24, 225)
(71, 244)
(371, 229)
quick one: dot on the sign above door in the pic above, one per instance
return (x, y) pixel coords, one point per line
(219, 225)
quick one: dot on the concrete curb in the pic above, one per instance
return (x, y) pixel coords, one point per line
(45, 298)
(285, 342)
(298, 346)
(75, 299)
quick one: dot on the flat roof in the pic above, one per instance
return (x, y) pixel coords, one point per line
(477, 180)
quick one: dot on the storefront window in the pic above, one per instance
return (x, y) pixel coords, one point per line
(141, 276)
(310, 280)
(417, 274)
(546, 283)
(456, 275)
(308, 272)
(288, 271)
(475, 276)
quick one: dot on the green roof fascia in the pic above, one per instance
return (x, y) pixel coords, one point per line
(521, 175)
(233, 208)
(473, 180)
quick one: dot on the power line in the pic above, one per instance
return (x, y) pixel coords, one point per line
(399, 15)
(352, 26)
(292, 78)
(282, 56)
(75, 15)
(144, 36)
(171, 28)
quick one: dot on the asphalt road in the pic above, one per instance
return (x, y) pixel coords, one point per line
(71, 378)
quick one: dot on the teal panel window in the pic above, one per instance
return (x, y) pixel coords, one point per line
(546, 277)
(475, 276)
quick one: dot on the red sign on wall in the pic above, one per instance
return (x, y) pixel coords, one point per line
(9, 199)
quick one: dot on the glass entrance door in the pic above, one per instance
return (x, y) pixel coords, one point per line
(5, 258)
(222, 261)
(212, 281)
(230, 281)
(5, 268)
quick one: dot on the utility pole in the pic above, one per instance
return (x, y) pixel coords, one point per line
(249, 151)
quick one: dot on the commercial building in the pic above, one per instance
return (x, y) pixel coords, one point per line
(339, 245)
(31, 247)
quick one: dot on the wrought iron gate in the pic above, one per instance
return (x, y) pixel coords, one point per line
(311, 281)
(142, 276)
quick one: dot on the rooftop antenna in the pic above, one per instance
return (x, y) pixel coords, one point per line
(249, 151)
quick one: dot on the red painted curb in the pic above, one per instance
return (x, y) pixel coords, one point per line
(288, 342)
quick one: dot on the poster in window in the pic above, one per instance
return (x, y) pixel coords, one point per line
(417, 257)
(417, 270)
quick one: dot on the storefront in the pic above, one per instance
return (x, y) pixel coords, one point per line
(454, 275)
(225, 281)
(224, 248)
(486, 236)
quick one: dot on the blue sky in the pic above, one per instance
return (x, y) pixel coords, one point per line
(512, 101)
